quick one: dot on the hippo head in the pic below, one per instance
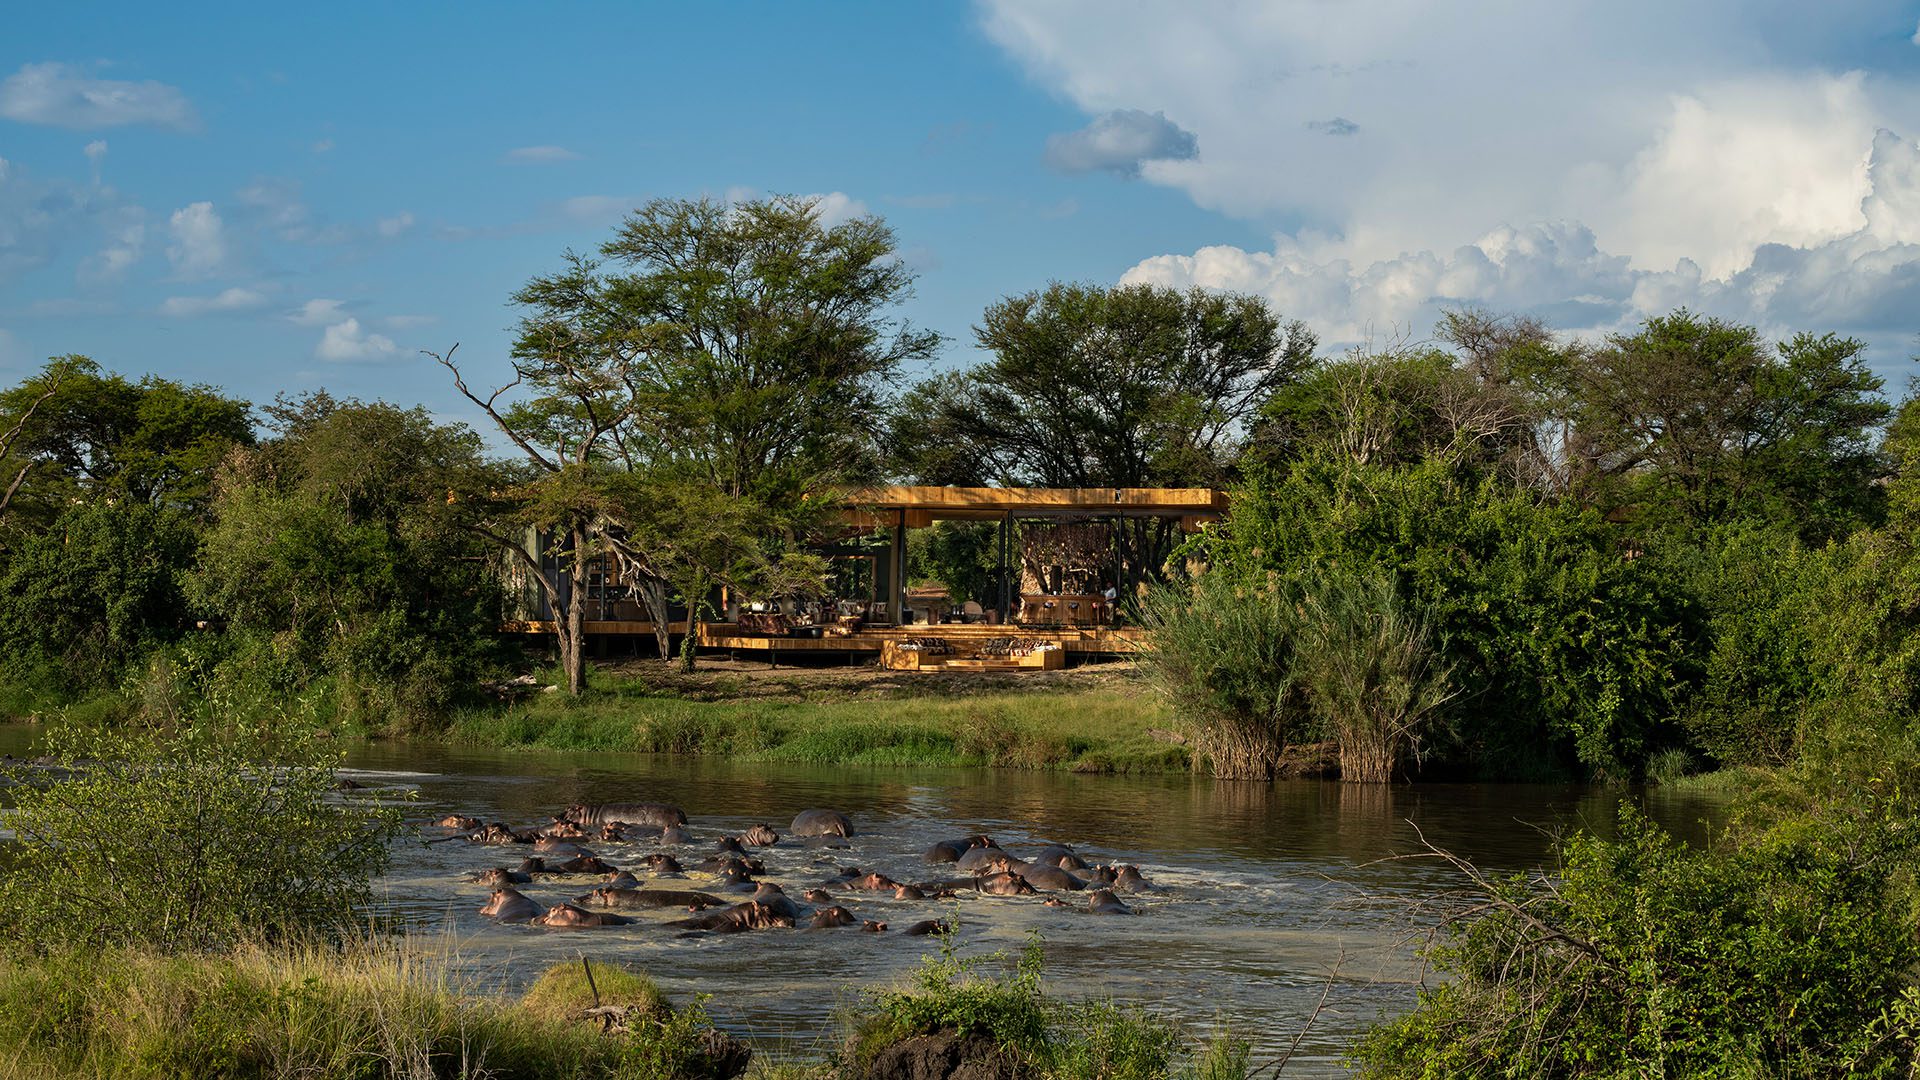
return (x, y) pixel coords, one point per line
(731, 844)
(832, 916)
(495, 877)
(872, 927)
(761, 917)
(760, 836)
(620, 879)
(662, 864)
(577, 814)
(874, 882)
(817, 896)
(613, 834)
(908, 892)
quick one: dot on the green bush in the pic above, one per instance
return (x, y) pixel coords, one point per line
(1790, 955)
(187, 834)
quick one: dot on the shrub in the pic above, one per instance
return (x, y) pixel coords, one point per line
(1371, 672)
(187, 834)
(1790, 955)
(1223, 652)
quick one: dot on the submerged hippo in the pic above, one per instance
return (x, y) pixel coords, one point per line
(874, 882)
(653, 815)
(720, 864)
(674, 834)
(1046, 877)
(986, 860)
(499, 876)
(570, 917)
(817, 896)
(1129, 879)
(647, 899)
(1099, 876)
(498, 833)
(1103, 902)
(821, 823)
(562, 829)
(871, 927)
(510, 905)
(779, 902)
(585, 864)
(566, 849)
(613, 834)
(459, 822)
(659, 863)
(908, 892)
(747, 916)
(1060, 855)
(730, 845)
(760, 836)
(533, 864)
(926, 927)
(620, 880)
(828, 917)
(1004, 884)
(946, 851)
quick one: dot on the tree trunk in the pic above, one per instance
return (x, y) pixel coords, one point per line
(696, 604)
(573, 638)
(654, 595)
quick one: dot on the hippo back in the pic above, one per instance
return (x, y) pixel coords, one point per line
(653, 815)
(821, 823)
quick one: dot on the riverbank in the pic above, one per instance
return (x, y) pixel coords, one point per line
(1100, 719)
(393, 1011)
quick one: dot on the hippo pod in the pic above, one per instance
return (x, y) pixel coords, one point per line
(986, 860)
(760, 836)
(1103, 902)
(821, 823)
(570, 917)
(498, 876)
(644, 899)
(653, 815)
(946, 851)
(748, 916)
(829, 917)
(510, 905)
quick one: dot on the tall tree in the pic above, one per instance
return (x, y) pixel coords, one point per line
(744, 349)
(1093, 386)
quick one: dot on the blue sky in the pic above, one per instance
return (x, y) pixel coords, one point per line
(271, 202)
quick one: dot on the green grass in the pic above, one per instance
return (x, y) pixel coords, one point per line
(1098, 731)
(322, 1014)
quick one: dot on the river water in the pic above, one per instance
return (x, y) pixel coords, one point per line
(1269, 895)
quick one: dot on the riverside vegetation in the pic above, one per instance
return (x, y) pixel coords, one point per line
(1677, 551)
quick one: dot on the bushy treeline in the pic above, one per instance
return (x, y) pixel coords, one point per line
(1684, 544)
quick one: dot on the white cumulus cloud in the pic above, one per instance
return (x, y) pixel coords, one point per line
(346, 342)
(317, 312)
(199, 246)
(65, 96)
(234, 299)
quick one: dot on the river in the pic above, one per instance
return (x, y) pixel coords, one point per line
(1270, 897)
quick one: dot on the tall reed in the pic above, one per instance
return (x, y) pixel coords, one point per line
(1368, 665)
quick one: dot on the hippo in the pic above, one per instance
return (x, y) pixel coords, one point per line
(874, 882)
(779, 902)
(498, 833)
(562, 829)
(730, 845)
(584, 864)
(722, 863)
(566, 849)
(674, 834)
(986, 860)
(1060, 855)
(946, 851)
(927, 927)
(760, 836)
(459, 822)
(871, 927)
(637, 899)
(499, 876)
(747, 916)
(829, 917)
(1128, 879)
(908, 892)
(817, 896)
(660, 863)
(1099, 875)
(569, 917)
(620, 880)
(613, 834)
(1004, 884)
(533, 864)
(736, 879)
(1103, 902)
(1046, 877)
(652, 815)
(510, 905)
(821, 823)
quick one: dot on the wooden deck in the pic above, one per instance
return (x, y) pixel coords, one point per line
(1087, 640)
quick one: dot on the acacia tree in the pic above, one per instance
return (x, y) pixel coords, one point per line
(1091, 386)
(717, 363)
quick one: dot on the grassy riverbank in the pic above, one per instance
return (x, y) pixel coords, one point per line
(1085, 721)
(322, 1013)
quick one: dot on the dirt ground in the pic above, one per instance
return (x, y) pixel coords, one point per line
(732, 680)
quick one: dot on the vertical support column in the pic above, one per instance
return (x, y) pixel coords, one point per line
(897, 572)
(1006, 586)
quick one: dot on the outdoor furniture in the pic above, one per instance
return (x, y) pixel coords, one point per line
(972, 612)
(992, 654)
